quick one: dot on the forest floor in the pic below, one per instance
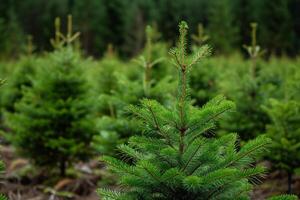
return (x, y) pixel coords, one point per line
(22, 182)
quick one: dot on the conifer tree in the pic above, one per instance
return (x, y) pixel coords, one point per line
(51, 124)
(285, 133)
(122, 84)
(284, 128)
(176, 158)
(243, 83)
(203, 79)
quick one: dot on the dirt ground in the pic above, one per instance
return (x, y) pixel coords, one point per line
(21, 181)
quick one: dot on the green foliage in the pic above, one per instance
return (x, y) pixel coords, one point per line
(284, 127)
(285, 133)
(91, 24)
(177, 158)
(243, 83)
(121, 84)
(2, 197)
(221, 18)
(204, 80)
(51, 124)
(284, 197)
(239, 85)
(12, 37)
(19, 78)
(283, 33)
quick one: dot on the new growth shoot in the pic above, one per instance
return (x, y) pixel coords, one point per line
(146, 60)
(201, 37)
(60, 39)
(254, 50)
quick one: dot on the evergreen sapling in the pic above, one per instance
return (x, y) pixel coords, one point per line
(123, 84)
(243, 84)
(285, 134)
(203, 79)
(284, 129)
(52, 123)
(175, 158)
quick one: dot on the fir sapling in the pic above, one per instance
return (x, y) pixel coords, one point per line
(123, 84)
(284, 128)
(52, 124)
(203, 79)
(174, 158)
(244, 85)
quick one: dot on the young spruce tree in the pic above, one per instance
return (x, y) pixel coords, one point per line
(284, 128)
(243, 84)
(122, 84)
(176, 158)
(285, 132)
(51, 124)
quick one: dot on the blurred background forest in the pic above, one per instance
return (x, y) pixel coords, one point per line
(122, 23)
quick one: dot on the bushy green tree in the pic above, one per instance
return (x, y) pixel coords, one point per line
(121, 84)
(176, 158)
(285, 133)
(203, 79)
(242, 83)
(51, 124)
(284, 128)
(20, 77)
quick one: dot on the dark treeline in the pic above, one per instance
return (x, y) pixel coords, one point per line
(122, 23)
